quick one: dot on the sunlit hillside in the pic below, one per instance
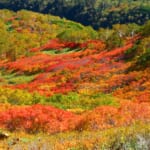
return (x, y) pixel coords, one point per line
(64, 86)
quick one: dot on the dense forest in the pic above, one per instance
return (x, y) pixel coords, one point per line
(97, 13)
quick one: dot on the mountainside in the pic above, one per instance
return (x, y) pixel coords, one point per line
(64, 86)
(97, 13)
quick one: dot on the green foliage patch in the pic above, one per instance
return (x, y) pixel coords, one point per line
(70, 101)
(85, 102)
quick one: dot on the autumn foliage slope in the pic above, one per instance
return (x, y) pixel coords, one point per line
(72, 84)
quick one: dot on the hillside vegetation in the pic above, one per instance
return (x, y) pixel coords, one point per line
(97, 13)
(64, 86)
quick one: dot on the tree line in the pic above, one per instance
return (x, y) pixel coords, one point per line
(97, 13)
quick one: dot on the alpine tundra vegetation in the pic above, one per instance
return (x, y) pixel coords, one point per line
(75, 86)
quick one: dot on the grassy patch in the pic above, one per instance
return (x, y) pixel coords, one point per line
(63, 51)
(85, 102)
(70, 101)
(13, 78)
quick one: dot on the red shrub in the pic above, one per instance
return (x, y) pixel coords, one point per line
(38, 118)
(108, 117)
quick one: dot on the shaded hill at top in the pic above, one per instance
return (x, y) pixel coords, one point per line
(96, 13)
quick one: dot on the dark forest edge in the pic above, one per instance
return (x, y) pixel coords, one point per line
(97, 13)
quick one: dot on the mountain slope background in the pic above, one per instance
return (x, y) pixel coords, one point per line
(97, 13)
